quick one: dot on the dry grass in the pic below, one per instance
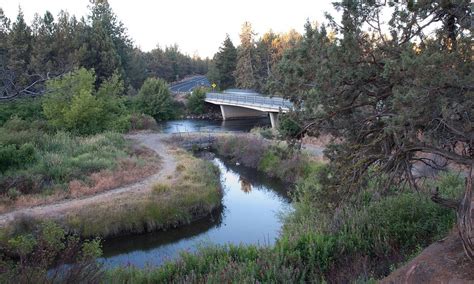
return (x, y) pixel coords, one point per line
(193, 192)
(142, 163)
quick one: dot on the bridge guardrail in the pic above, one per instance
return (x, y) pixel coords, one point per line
(274, 103)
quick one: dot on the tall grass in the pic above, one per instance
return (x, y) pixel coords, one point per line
(36, 161)
(193, 193)
(276, 160)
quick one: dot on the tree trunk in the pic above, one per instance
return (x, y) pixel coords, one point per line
(465, 217)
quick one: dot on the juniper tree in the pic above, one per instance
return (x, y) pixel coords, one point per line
(393, 94)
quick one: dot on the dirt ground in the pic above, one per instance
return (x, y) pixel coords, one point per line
(441, 262)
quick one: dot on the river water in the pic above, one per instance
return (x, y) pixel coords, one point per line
(193, 125)
(251, 214)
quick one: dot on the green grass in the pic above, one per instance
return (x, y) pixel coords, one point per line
(38, 160)
(193, 193)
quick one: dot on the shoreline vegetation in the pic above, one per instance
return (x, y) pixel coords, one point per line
(361, 239)
(193, 192)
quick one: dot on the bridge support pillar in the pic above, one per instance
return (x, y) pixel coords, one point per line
(274, 119)
(232, 112)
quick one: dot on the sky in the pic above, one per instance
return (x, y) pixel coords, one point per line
(198, 27)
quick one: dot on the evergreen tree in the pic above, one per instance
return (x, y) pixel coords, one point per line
(4, 30)
(43, 55)
(19, 47)
(224, 64)
(247, 59)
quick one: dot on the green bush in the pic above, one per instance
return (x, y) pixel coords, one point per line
(12, 157)
(27, 109)
(154, 99)
(32, 160)
(142, 121)
(41, 256)
(196, 103)
(288, 126)
(73, 103)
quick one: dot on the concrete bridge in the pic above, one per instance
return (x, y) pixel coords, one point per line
(243, 103)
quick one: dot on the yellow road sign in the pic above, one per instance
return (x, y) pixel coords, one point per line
(214, 85)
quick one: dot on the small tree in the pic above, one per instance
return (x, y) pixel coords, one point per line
(196, 103)
(154, 99)
(73, 103)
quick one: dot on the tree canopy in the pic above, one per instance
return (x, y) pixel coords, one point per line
(394, 96)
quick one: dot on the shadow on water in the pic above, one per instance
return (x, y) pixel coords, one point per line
(150, 241)
(252, 204)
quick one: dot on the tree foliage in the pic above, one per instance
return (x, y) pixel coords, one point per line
(154, 99)
(196, 103)
(49, 47)
(73, 103)
(224, 64)
(392, 100)
(247, 60)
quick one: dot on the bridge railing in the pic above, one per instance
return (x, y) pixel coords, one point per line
(273, 103)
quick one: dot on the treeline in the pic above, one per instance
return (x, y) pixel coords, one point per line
(50, 47)
(253, 64)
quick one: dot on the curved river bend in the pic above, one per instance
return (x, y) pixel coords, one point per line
(252, 205)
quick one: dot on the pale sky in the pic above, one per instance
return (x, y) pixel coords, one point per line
(198, 27)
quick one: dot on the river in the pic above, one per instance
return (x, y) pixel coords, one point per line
(251, 214)
(193, 125)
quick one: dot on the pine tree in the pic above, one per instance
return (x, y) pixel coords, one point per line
(247, 60)
(19, 46)
(224, 65)
(43, 55)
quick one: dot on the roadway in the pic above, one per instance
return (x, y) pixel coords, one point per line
(188, 85)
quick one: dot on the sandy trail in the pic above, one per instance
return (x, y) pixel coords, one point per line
(153, 141)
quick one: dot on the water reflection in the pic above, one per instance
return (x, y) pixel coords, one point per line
(252, 203)
(245, 185)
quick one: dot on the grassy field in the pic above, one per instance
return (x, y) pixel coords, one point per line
(193, 192)
(39, 166)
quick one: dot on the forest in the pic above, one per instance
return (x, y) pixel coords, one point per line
(55, 45)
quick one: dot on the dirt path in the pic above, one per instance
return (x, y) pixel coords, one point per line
(150, 140)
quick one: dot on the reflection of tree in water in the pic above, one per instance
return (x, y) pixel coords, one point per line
(245, 185)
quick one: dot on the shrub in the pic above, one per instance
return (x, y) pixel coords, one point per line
(12, 157)
(288, 126)
(28, 109)
(75, 105)
(154, 99)
(48, 255)
(142, 122)
(196, 104)
(265, 132)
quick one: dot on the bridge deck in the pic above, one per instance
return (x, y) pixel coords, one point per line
(252, 101)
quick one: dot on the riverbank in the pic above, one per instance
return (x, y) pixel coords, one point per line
(186, 188)
(329, 237)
